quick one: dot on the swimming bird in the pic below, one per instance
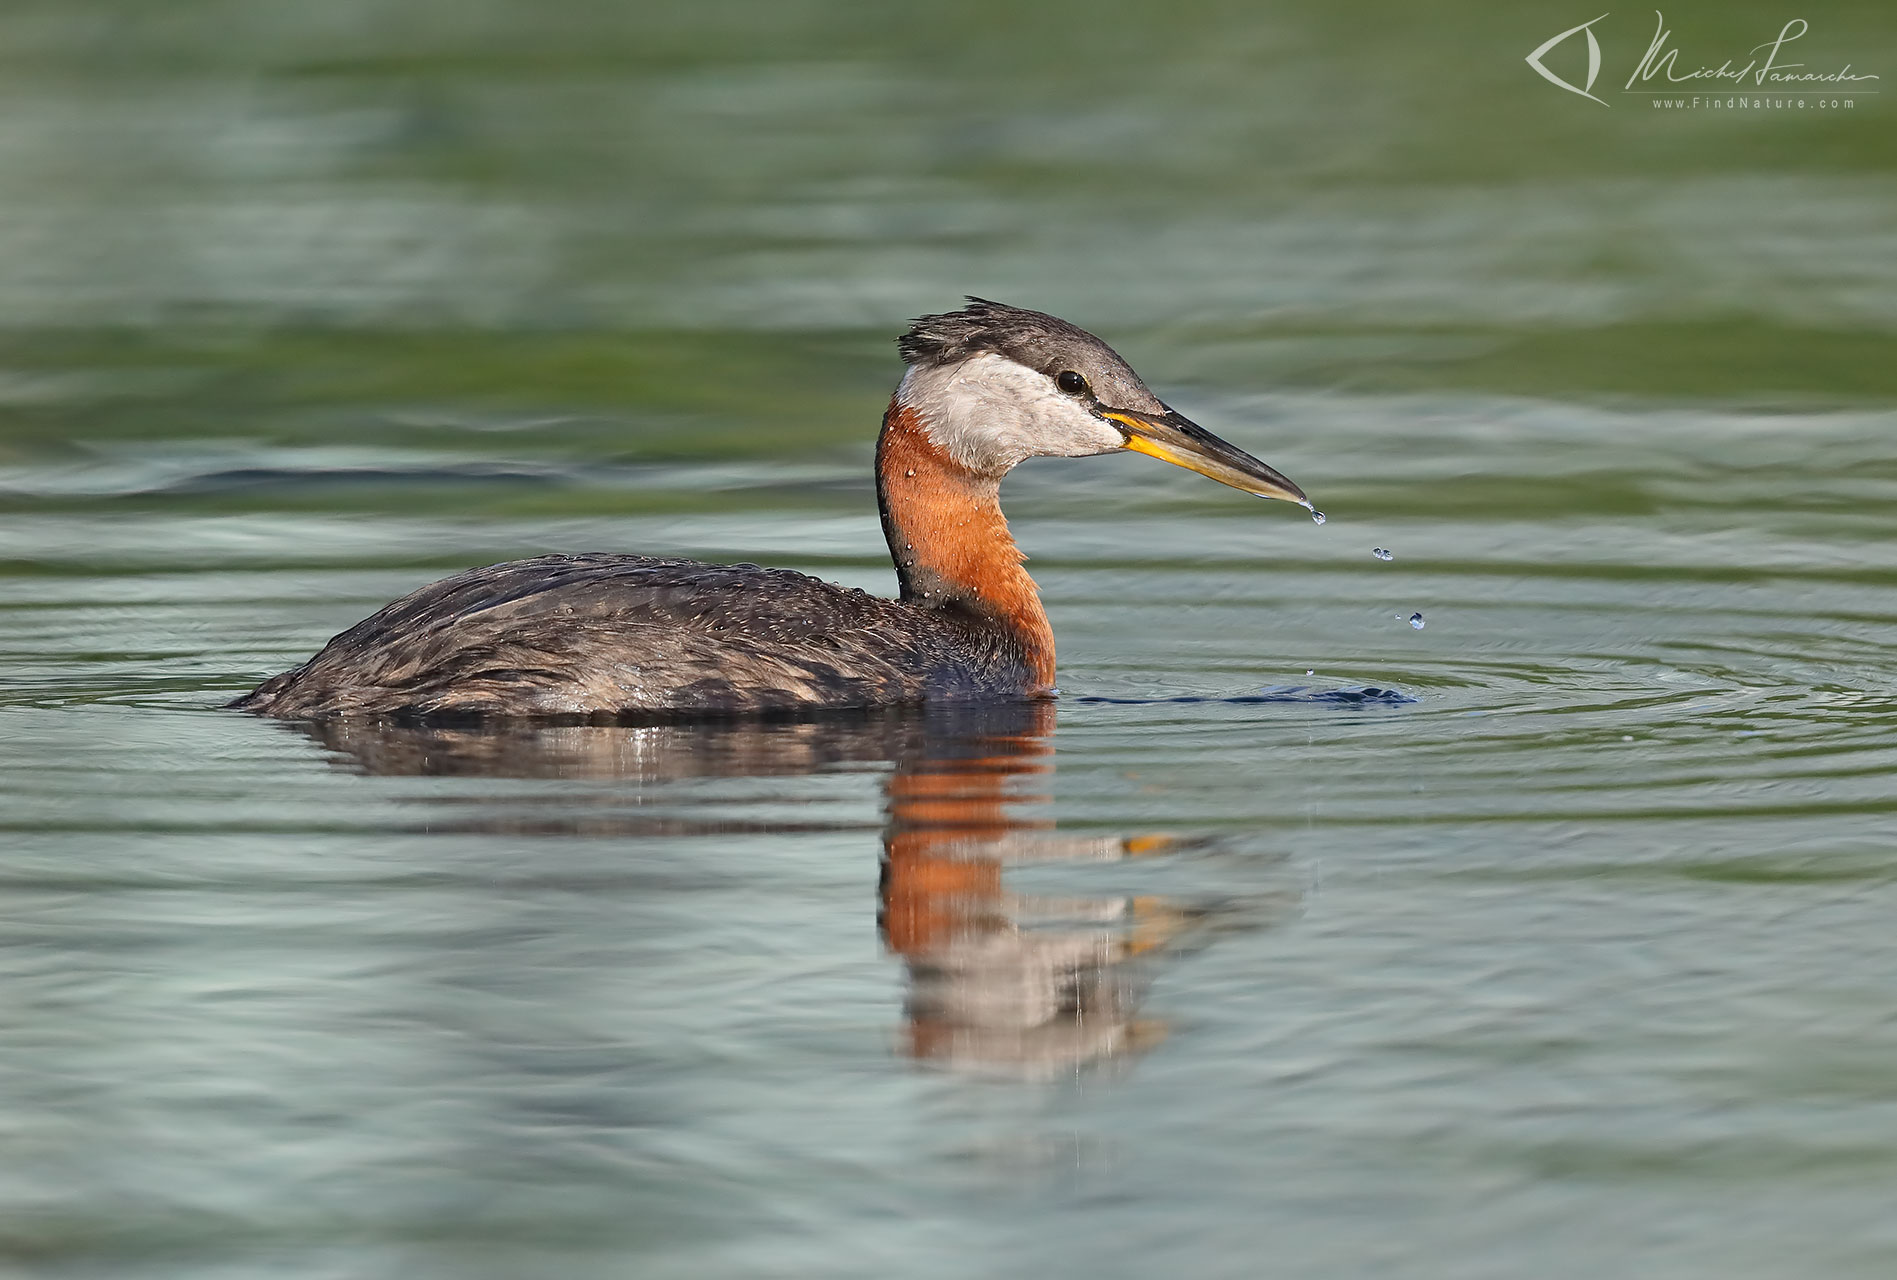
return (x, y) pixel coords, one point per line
(607, 637)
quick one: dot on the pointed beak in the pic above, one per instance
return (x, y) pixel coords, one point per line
(1174, 438)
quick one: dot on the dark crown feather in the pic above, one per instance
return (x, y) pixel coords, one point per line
(981, 326)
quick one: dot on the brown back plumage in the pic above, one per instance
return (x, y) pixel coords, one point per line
(639, 638)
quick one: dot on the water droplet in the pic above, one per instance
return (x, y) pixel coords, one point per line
(1416, 620)
(1317, 517)
(1382, 553)
(911, 471)
(1626, 737)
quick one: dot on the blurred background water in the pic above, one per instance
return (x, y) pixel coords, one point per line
(1579, 963)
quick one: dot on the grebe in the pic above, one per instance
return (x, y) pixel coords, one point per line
(639, 638)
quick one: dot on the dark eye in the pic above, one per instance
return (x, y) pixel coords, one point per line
(1072, 383)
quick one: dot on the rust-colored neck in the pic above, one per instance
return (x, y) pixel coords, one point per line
(949, 540)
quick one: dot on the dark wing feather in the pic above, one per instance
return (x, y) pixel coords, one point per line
(617, 636)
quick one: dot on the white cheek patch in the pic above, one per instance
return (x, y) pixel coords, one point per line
(989, 413)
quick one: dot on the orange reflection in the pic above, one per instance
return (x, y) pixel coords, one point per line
(1000, 981)
(996, 981)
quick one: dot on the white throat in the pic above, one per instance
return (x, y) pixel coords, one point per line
(989, 413)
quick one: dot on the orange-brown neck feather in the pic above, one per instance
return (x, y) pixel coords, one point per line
(950, 542)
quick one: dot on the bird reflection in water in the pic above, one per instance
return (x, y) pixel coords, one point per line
(998, 982)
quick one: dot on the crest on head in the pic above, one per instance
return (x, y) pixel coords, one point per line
(993, 385)
(1034, 340)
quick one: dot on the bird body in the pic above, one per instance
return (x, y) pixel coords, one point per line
(611, 635)
(628, 637)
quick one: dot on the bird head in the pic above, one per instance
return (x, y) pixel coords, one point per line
(996, 385)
